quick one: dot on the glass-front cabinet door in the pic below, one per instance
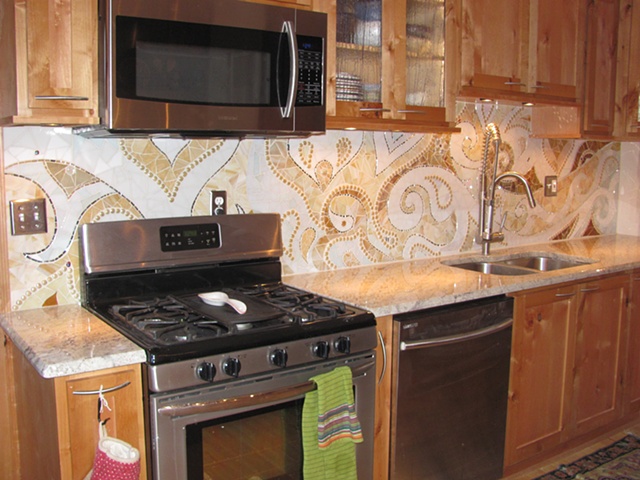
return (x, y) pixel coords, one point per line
(424, 89)
(385, 65)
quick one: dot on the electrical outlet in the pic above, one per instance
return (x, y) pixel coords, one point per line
(218, 202)
(550, 186)
(28, 216)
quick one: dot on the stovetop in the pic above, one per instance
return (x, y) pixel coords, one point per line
(145, 277)
(176, 327)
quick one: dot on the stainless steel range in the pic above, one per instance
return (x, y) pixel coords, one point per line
(230, 348)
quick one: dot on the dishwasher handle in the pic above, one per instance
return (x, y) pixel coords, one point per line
(436, 342)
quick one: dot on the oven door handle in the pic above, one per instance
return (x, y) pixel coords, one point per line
(251, 400)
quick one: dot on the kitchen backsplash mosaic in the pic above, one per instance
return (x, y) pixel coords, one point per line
(346, 198)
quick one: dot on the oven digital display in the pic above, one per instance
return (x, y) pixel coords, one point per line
(190, 237)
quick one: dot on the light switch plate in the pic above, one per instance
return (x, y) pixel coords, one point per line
(550, 186)
(28, 216)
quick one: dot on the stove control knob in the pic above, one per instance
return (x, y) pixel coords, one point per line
(231, 366)
(206, 371)
(343, 345)
(321, 350)
(279, 357)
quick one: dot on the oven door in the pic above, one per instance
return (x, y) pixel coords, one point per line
(250, 429)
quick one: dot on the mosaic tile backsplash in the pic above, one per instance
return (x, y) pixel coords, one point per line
(345, 198)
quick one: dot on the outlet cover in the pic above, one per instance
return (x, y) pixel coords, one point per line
(28, 216)
(218, 202)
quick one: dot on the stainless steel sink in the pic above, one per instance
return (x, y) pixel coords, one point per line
(519, 264)
(492, 268)
(544, 263)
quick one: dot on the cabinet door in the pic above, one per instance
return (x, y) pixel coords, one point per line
(627, 114)
(8, 438)
(600, 73)
(385, 65)
(541, 366)
(632, 375)
(57, 59)
(384, 355)
(556, 48)
(493, 45)
(77, 416)
(599, 348)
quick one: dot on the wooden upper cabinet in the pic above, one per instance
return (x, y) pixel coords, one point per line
(57, 61)
(627, 109)
(386, 65)
(493, 53)
(520, 50)
(600, 74)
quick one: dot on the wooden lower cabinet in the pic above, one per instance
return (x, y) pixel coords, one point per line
(58, 430)
(8, 433)
(632, 372)
(569, 357)
(382, 425)
(601, 322)
(540, 386)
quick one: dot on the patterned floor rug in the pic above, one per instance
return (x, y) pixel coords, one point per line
(618, 461)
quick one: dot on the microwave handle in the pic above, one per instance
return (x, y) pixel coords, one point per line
(287, 27)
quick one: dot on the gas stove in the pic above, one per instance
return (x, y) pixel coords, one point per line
(149, 279)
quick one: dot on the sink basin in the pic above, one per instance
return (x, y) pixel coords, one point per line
(493, 268)
(543, 263)
(520, 264)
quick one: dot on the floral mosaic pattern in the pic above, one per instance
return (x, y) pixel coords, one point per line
(345, 198)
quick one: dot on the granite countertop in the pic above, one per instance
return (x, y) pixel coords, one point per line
(67, 339)
(398, 287)
(64, 340)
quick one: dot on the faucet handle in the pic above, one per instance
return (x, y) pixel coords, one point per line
(504, 219)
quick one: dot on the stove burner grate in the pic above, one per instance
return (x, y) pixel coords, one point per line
(167, 321)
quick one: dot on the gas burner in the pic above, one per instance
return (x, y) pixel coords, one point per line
(168, 321)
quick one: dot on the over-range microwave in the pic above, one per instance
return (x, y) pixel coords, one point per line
(210, 67)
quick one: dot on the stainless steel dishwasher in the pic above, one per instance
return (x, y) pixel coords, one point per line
(448, 413)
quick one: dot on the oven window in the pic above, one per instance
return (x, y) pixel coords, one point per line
(178, 62)
(265, 444)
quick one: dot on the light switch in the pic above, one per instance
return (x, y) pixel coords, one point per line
(551, 186)
(28, 216)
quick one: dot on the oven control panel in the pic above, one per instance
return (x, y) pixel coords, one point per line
(190, 237)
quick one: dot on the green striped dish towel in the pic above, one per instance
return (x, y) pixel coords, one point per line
(330, 428)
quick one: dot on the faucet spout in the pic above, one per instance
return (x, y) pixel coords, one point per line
(488, 190)
(518, 176)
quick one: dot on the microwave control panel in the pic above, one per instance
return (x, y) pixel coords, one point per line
(311, 70)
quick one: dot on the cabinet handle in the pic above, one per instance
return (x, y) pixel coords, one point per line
(384, 357)
(517, 84)
(374, 109)
(62, 97)
(565, 294)
(539, 86)
(591, 289)
(419, 112)
(104, 390)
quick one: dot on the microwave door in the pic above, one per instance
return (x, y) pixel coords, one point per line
(198, 77)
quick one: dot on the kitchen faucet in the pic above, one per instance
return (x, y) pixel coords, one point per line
(488, 191)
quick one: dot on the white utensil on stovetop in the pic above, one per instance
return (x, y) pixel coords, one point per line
(218, 299)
